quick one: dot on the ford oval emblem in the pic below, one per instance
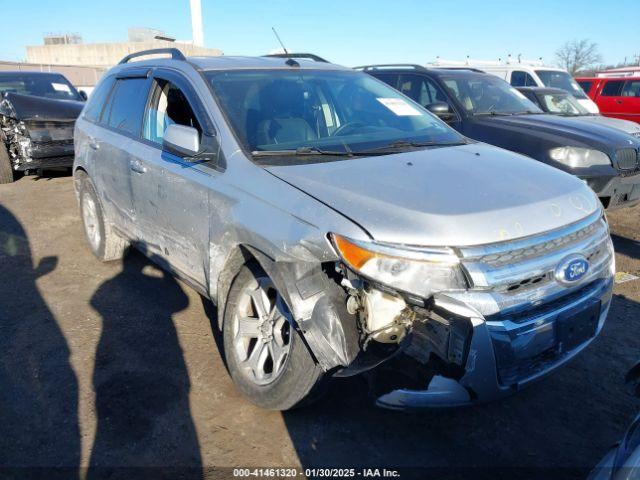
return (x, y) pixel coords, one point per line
(572, 269)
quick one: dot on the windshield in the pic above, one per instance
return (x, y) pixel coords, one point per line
(482, 94)
(556, 79)
(335, 111)
(47, 85)
(562, 104)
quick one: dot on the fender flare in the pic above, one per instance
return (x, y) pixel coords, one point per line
(317, 302)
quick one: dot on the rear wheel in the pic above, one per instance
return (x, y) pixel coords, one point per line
(266, 357)
(103, 242)
(6, 172)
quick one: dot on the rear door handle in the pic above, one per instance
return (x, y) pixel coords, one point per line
(619, 102)
(137, 166)
(93, 144)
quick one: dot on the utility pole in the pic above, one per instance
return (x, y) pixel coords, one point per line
(196, 22)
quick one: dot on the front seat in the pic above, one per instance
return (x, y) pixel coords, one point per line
(282, 112)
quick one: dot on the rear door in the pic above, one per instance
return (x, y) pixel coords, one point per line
(171, 194)
(121, 121)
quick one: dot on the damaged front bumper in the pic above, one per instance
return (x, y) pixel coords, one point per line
(37, 144)
(524, 319)
(511, 351)
(616, 191)
(37, 132)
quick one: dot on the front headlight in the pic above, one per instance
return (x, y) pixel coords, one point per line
(575, 157)
(418, 271)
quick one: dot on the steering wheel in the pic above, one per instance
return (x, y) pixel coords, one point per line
(346, 128)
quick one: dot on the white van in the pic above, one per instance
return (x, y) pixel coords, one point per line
(528, 74)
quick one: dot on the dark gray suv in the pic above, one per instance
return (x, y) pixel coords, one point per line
(339, 226)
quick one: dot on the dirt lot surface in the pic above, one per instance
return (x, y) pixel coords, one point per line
(116, 365)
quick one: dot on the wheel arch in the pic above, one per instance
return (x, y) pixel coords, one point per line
(316, 301)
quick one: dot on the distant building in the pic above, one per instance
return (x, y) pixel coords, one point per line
(62, 39)
(70, 50)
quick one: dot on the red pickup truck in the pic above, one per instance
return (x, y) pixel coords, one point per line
(615, 97)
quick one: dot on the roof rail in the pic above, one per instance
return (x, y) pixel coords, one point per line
(469, 69)
(390, 65)
(175, 54)
(310, 56)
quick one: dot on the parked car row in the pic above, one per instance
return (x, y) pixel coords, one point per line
(523, 74)
(486, 108)
(616, 97)
(340, 227)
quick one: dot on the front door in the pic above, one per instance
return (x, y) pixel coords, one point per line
(171, 194)
(611, 102)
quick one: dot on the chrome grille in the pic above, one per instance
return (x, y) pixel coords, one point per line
(514, 256)
(627, 158)
(507, 275)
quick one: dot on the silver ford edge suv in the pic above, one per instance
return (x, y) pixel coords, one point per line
(339, 227)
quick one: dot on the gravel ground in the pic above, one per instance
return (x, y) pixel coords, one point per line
(117, 365)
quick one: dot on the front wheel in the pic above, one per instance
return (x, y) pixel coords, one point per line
(266, 357)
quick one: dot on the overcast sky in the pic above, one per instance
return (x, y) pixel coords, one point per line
(350, 32)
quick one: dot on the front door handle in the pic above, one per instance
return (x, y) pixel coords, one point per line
(619, 102)
(137, 166)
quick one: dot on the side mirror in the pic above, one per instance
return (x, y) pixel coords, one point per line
(181, 140)
(83, 95)
(441, 110)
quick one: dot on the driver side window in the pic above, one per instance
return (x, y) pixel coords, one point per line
(167, 106)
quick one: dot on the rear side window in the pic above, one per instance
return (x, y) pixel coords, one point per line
(522, 79)
(95, 104)
(612, 88)
(124, 111)
(631, 89)
(421, 89)
(585, 85)
(390, 79)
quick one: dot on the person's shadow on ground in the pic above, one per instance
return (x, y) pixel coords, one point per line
(39, 428)
(140, 379)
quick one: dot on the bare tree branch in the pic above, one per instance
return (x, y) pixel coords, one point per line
(578, 55)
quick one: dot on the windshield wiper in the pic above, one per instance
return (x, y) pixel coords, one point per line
(528, 112)
(298, 151)
(492, 113)
(398, 144)
(384, 149)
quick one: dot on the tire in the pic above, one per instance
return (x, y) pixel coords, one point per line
(6, 172)
(293, 381)
(105, 244)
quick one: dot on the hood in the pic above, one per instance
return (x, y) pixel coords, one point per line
(563, 130)
(29, 108)
(625, 125)
(467, 195)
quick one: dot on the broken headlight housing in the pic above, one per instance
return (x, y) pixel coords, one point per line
(417, 271)
(576, 157)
